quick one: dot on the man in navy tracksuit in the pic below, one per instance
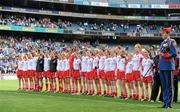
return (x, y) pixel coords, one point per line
(167, 66)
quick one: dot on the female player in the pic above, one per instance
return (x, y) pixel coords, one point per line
(25, 73)
(101, 71)
(66, 75)
(39, 72)
(59, 72)
(89, 74)
(106, 70)
(30, 71)
(121, 67)
(19, 72)
(112, 73)
(147, 73)
(47, 72)
(34, 65)
(53, 65)
(84, 59)
(137, 69)
(129, 76)
(95, 73)
(76, 72)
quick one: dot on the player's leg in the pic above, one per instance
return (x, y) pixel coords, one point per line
(114, 88)
(60, 84)
(55, 82)
(124, 88)
(42, 83)
(73, 85)
(65, 85)
(19, 80)
(47, 84)
(82, 84)
(98, 86)
(51, 82)
(129, 89)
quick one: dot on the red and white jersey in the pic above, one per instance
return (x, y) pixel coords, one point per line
(137, 62)
(34, 63)
(121, 63)
(76, 64)
(107, 64)
(84, 60)
(29, 64)
(95, 62)
(47, 64)
(89, 64)
(112, 62)
(102, 62)
(66, 64)
(59, 66)
(129, 67)
(147, 69)
(25, 65)
(20, 65)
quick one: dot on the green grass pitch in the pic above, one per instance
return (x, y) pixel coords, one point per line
(12, 100)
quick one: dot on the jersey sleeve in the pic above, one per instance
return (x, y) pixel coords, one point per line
(173, 49)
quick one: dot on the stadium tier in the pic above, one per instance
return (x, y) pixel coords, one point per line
(105, 27)
(84, 25)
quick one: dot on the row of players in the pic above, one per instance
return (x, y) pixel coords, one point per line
(96, 72)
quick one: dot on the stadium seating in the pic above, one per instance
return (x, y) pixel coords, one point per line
(110, 26)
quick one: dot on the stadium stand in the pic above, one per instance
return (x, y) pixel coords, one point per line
(113, 26)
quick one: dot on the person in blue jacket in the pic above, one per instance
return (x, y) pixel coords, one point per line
(168, 51)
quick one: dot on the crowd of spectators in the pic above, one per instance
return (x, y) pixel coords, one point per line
(11, 47)
(111, 26)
